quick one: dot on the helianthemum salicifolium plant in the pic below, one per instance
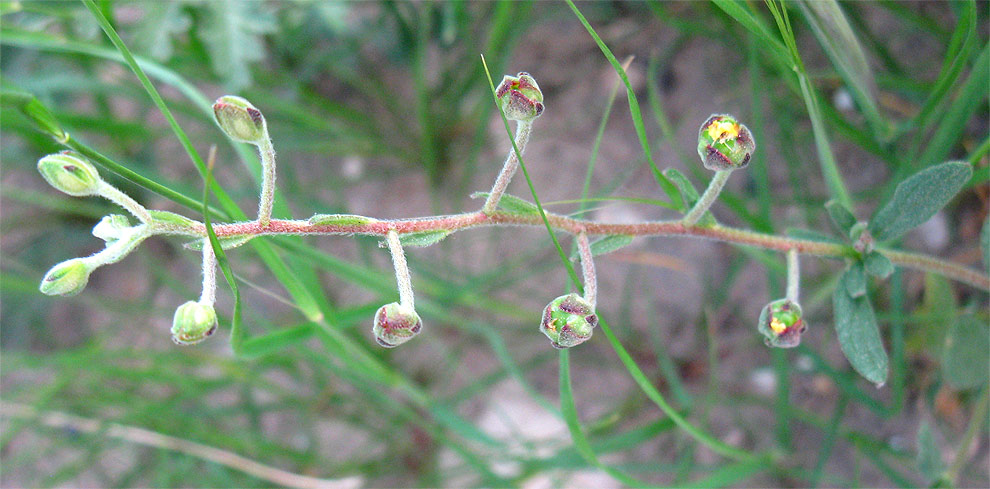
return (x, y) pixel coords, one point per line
(724, 145)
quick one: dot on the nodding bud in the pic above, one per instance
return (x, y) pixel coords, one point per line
(193, 322)
(724, 143)
(112, 228)
(395, 325)
(568, 321)
(240, 120)
(67, 278)
(70, 173)
(520, 97)
(781, 324)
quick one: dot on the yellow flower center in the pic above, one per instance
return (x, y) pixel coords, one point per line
(723, 130)
(777, 326)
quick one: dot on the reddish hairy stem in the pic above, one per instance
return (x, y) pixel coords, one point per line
(457, 222)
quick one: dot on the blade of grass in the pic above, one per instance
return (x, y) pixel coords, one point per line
(654, 395)
(665, 184)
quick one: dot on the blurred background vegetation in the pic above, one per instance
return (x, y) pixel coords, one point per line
(383, 109)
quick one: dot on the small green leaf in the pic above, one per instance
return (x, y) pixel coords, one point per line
(810, 235)
(859, 336)
(423, 239)
(918, 198)
(227, 242)
(339, 220)
(608, 244)
(689, 194)
(967, 353)
(878, 265)
(511, 203)
(929, 458)
(842, 218)
(34, 110)
(854, 280)
(172, 219)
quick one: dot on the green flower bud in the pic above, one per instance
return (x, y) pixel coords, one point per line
(240, 120)
(781, 324)
(193, 322)
(724, 143)
(112, 228)
(67, 278)
(861, 237)
(520, 97)
(70, 173)
(395, 325)
(568, 321)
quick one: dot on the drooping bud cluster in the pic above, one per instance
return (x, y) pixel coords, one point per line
(112, 228)
(193, 322)
(240, 120)
(781, 323)
(70, 173)
(724, 143)
(520, 97)
(568, 321)
(395, 325)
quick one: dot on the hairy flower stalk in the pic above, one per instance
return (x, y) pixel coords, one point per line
(521, 100)
(523, 128)
(588, 267)
(114, 195)
(402, 277)
(397, 322)
(793, 275)
(708, 198)
(209, 294)
(267, 198)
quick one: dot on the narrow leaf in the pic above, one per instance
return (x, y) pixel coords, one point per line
(608, 244)
(689, 194)
(810, 235)
(918, 198)
(837, 38)
(172, 219)
(854, 280)
(339, 220)
(967, 353)
(511, 203)
(859, 336)
(34, 110)
(423, 239)
(841, 216)
(878, 265)
(929, 459)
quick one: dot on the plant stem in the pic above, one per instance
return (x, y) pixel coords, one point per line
(523, 128)
(121, 248)
(708, 198)
(457, 222)
(588, 267)
(401, 270)
(114, 195)
(209, 294)
(267, 198)
(793, 275)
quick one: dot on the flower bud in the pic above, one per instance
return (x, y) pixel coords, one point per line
(724, 143)
(66, 278)
(861, 238)
(395, 325)
(568, 321)
(240, 120)
(781, 324)
(193, 322)
(70, 173)
(112, 228)
(520, 97)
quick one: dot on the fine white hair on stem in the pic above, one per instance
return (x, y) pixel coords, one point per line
(402, 276)
(523, 129)
(267, 199)
(209, 295)
(708, 198)
(793, 275)
(588, 267)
